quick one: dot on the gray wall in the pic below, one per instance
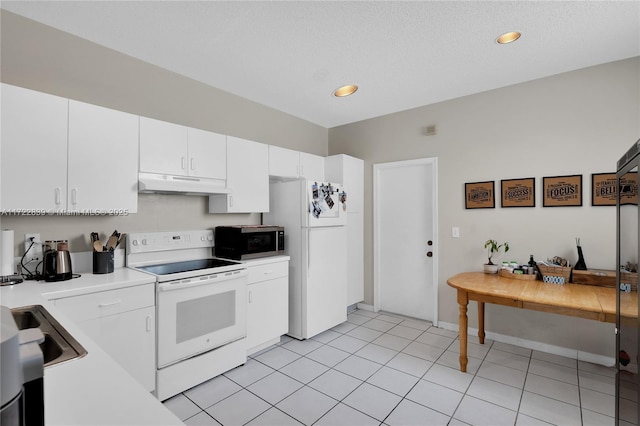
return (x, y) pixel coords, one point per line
(39, 57)
(575, 123)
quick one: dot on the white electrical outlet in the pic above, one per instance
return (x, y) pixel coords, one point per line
(35, 253)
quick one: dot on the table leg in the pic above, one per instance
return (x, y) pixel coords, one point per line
(463, 301)
(481, 322)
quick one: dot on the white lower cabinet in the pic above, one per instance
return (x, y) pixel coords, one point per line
(268, 303)
(122, 322)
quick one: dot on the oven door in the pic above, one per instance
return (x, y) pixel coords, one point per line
(199, 314)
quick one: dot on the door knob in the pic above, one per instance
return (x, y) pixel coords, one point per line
(429, 254)
(429, 243)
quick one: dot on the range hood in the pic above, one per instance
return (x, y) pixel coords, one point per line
(186, 185)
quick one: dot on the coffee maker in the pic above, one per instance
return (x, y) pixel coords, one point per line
(57, 261)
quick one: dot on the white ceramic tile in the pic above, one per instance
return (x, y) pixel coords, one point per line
(409, 413)
(404, 331)
(596, 369)
(506, 375)
(328, 355)
(347, 343)
(410, 364)
(390, 318)
(273, 417)
(357, 319)
(518, 350)
(456, 422)
(556, 359)
(435, 396)
(376, 402)
(477, 412)
(417, 324)
(496, 393)
(201, 419)
(182, 406)
(335, 384)
(326, 336)
(393, 380)
(238, 409)
(452, 360)
(379, 325)
(551, 388)
(435, 340)
(589, 418)
(448, 377)
(554, 371)
(390, 341)
(304, 369)
(376, 353)
(428, 352)
(344, 327)
(248, 373)
(343, 415)
(302, 347)
(366, 313)
(507, 359)
(275, 387)
(549, 410)
(524, 420)
(208, 393)
(597, 382)
(443, 332)
(277, 357)
(307, 405)
(357, 367)
(599, 402)
(364, 333)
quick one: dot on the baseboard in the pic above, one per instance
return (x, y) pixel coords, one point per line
(365, 307)
(538, 346)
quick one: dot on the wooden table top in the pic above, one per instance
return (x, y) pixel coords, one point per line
(588, 298)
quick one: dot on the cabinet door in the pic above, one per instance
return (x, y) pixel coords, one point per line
(247, 178)
(283, 162)
(129, 338)
(34, 139)
(163, 147)
(268, 311)
(207, 154)
(103, 159)
(312, 166)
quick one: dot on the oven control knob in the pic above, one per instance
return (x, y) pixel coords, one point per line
(134, 242)
(202, 238)
(144, 242)
(210, 237)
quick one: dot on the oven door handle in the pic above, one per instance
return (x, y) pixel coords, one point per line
(193, 282)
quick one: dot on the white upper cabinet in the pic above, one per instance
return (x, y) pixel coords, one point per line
(247, 179)
(349, 171)
(34, 139)
(172, 149)
(103, 159)
(289, 164)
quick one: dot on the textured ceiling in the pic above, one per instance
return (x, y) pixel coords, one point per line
(291, 55)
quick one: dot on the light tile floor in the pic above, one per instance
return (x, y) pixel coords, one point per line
(381, 369)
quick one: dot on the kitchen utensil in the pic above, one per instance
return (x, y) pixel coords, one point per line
(97, 246)
(94, 237)
(120, 238)
(112, 242)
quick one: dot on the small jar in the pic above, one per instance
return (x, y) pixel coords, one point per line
(513, 264)
(505, 265)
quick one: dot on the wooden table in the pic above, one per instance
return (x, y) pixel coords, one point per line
(584, 301)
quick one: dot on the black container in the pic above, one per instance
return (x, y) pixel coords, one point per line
(103, 262)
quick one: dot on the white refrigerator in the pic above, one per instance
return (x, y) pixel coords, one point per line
(313, 215)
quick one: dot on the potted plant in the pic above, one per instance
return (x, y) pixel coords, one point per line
(493, 247)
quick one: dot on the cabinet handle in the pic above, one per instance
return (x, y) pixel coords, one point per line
(105, 305)
(148, 323)
(268, 272)
(74, 196)
(250, 297)
(183, 163)
(193, 163)
(57, 196)
(230, 200)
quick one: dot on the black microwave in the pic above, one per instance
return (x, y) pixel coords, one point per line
(243, 242)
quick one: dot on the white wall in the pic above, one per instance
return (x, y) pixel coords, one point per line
(575, 123)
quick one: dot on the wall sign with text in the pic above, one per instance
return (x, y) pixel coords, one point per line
(518, 192)
(479, 195)
(562, 191)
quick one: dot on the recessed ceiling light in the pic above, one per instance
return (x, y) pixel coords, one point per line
(343, 91)
(508, 37)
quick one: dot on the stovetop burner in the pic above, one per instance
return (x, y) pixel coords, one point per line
(187, 266)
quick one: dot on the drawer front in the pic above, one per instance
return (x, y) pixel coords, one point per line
(268, 271)
(105, 303)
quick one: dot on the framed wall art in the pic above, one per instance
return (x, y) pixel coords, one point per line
(603, 189)
(629, 189)
(562, 191)
(518, 192)
(479, 195)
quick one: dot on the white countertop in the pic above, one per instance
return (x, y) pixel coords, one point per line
(94, 389)
(264, 260)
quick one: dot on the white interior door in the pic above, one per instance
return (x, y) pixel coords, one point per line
(405, 221)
